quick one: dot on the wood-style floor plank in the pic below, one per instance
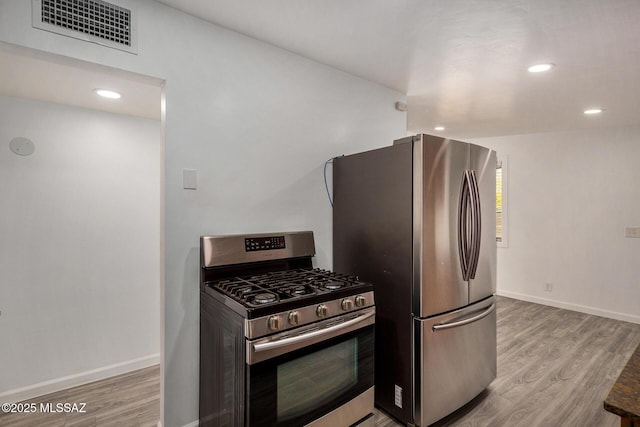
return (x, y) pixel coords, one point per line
(128, 400)
(555, 368)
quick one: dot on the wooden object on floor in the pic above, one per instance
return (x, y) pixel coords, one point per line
(624, 397)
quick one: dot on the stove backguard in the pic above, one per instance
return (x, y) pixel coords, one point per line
(224, 251)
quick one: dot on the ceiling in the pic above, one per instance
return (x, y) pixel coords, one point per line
(463, 63)
(33, 74)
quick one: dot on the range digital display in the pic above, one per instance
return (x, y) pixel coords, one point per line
(253, 244)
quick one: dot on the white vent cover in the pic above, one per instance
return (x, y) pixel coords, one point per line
(95, 21)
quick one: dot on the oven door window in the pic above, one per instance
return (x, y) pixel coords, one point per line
(301, 386)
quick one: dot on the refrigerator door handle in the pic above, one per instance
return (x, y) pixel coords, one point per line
(464, 227)
(476, 224)
(482, 315)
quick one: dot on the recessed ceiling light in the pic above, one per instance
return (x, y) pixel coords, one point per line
(108, 93)
(593, 111)
(539, 68)
(438, 128)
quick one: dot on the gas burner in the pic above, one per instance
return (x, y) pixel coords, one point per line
(295, 290)
(333, 285)
(264, 298)
(299, 290)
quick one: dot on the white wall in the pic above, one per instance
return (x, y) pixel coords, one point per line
(79, 253)
(257, 123)
(570, 195)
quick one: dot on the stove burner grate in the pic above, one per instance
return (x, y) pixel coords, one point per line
(277, 286)
(294, 290)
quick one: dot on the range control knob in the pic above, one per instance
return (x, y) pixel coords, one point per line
(360, 301)
(347, 304)
(321, 311)
(294, 318)
(274, 323)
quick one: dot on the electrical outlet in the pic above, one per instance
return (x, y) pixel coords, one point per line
(548, 287)
(633, 232)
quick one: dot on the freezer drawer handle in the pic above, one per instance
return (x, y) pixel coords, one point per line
(482, 315)
(330, 331)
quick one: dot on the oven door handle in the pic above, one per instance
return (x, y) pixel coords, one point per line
(330, 332)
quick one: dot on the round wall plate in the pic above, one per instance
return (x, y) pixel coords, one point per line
(22, 146)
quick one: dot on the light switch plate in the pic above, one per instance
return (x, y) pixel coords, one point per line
(633, 232)
(189, 179)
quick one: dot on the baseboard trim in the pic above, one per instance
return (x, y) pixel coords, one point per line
(191, 424)
(574, 307)
(51, 386)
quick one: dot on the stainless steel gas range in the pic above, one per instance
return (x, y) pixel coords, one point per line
(282, 343)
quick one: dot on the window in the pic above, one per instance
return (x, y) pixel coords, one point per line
(501, 203)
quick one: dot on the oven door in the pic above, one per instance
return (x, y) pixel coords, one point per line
(322, 375)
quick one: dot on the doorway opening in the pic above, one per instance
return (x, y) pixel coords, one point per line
(81, 183)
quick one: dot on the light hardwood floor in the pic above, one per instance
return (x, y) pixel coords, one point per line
(129, 400)
(555, 368)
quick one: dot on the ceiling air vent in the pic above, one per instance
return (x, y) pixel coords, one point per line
(95, 21)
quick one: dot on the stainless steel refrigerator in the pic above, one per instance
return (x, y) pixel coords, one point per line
(417, 219)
